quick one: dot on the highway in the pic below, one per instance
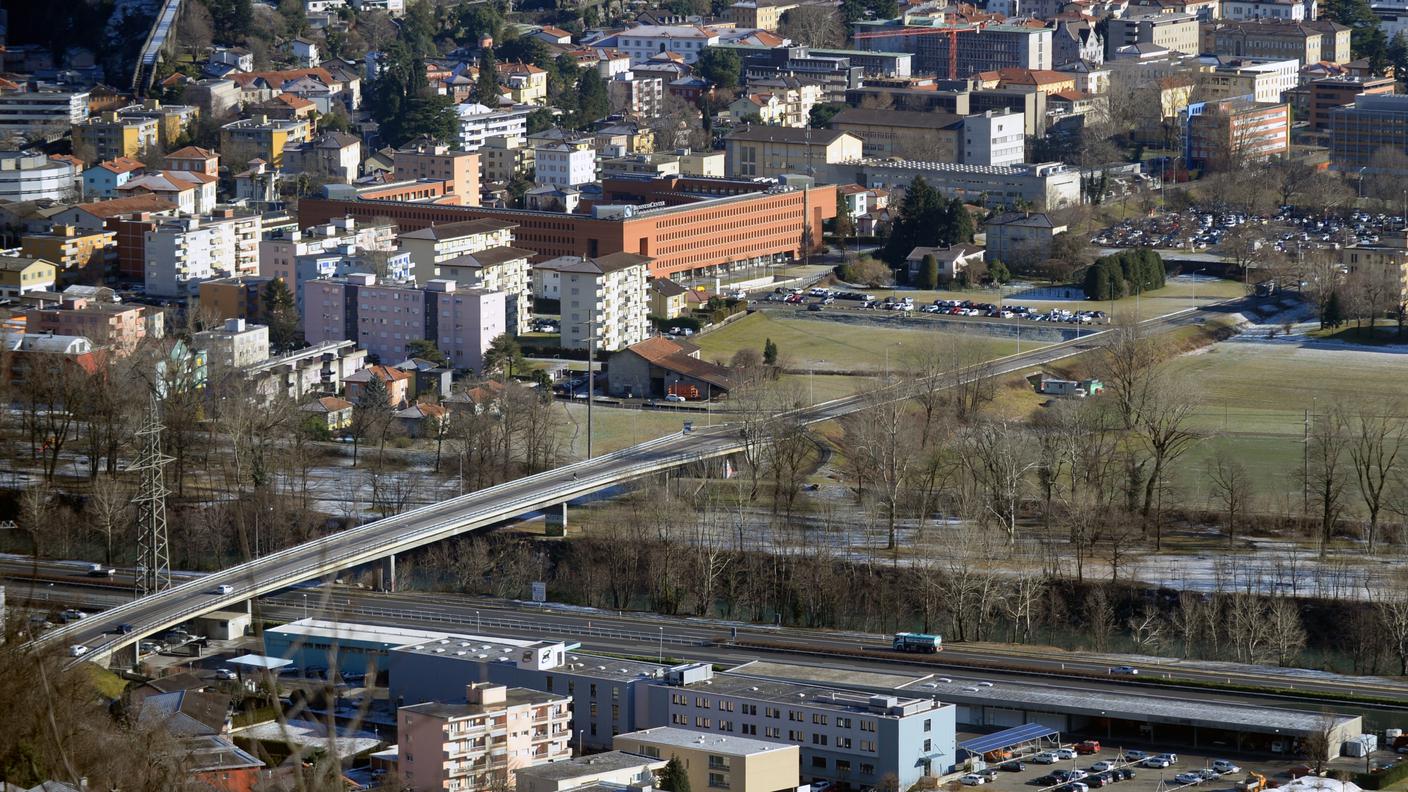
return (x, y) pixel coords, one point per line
(379, 539)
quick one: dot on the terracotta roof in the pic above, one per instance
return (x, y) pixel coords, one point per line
(327, 404)
(127, 205)
(1070, 95)
(296, 102)
(70, 159)
(674, 356)
(192, 152)
(457, 230)
(421, 410)
(554, 32)
(278, 78)
(383, 373)
(122, 165)
(1021, 76)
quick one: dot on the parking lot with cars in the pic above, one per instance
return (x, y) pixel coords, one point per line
(1081, 767)
(1285, 231)
(819, 299)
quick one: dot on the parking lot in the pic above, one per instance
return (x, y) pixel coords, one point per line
(1033, 777)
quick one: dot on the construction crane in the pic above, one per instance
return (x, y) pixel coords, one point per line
(948, 30)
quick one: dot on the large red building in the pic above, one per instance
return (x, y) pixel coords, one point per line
(685, 225)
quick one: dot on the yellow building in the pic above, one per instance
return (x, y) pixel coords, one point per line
(718, 761)
(262, 137)
(772, 151)
(758, 14)
(20, 275)
(110, 136)
(172, 120)
(526, 83)
(667, 298)
(1389, 257)
(79, 256)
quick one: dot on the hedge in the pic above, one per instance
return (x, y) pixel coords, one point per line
(1124, 273)
(1383, 778)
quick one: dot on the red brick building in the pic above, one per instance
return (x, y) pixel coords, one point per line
(686, 225)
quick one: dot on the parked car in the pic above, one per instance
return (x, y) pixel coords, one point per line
(1135, 756)
(1156, 762)
(1065, 753)
(673, 397)
(1097, 781)
(1223, 766)
(1088, 747)
(1045, 757)
(1189, 777)
(1125, 773)
(989, 775)
(972, 779)
(1014, 766)
(1209, 774)
(224, 673)
(821, 785)
(1171, 757)
(1102, 766)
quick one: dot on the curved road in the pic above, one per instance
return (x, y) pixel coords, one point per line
(386, 537)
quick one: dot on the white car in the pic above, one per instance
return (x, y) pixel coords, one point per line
(972, 779)
(1223, 767)
(1065, 753)
(1188, 778)
(77, 650)
(224, 673)
(1045, 757)
(1156, 762)
(1100, 767)
(673, 397)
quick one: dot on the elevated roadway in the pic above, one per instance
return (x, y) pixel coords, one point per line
(386, 537)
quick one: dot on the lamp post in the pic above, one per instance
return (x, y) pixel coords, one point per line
(478, 625)
(305, 604)
(660, 653)
(591, 340)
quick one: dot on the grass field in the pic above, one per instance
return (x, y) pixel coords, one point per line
(614, 428)
(836, 346)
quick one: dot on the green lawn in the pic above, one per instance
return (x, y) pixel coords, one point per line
(614, 428)
(825, 345)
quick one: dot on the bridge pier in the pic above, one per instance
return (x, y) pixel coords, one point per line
(388, 574)
(555, 520)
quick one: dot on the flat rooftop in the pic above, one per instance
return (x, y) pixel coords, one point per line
(786, 692)
(513, 697)
(609, 762)
(725, 744)
(478, 649)
(826, 675)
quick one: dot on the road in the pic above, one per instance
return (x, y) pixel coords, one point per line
(379, 539)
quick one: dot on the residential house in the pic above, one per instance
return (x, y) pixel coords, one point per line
(192, 192)
(430, 247)
(110, 136)
(1020, 237)
(773, 151)
(103, 179)
(657, 366)
(80, 256)
(719, 761)
(667, 298)
(263, 137)
(395, 381)
(953, 260)
(330, 411)
(332, 156)
(20, 275)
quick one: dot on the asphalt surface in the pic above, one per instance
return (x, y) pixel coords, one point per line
(381, 538)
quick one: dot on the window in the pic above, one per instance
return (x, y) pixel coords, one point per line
(701, 702)
(820, 720)
(819, 762)
(928, 746)
(928, 725)
(717, 762)
(702, 722)
(772, 732)
(844, 723)
(592, 690)
(843, 765)
(818, 738)
(843, 742)
(867, 769)
(718, 781)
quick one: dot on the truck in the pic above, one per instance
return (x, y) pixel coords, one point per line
(1254, 782)
(918, 642)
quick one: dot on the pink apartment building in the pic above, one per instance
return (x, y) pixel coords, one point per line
(384, 319)
(479, 744)
(118, 327)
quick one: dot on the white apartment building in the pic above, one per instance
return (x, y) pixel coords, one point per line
(236, 346)
(392, 7)
(641, 96)
(478, 122)
(643, 42)
(994, 138)
(561, 165)
(1288, 10)
(319, 368)
(606, 296)
(182, 252)
(1264, 79)
(53, 112)
(296, 256)
(479, 743)
(25, 176)
(430, 247)
(500, 269)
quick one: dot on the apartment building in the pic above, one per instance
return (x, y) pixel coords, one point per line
(430, 161)
(44, 112)
(772, 151)
(118, 327)
(980, 48)
(319, 368)
(20, 275)
(233, 298)
(262, 137)
(236, 345)
(602, 772)
(26, 176)
(1357, 133)
(758, 14)
(503, 159)
(385, 318)
(103, 179)
(638, 96)
(1307, 42)
(327, 249)
(643, 42)
(1042, 186)
(1263, 79)
(332, 156)
(1329, 93)
(195, 160)
(605, 296)
(192, 192)
(110, 136)
(500, 269)
(525, 83)
(481, 742)
(432, 246)
(80, 256)
(1175, 32)
(1020, 238)
(561, 165)
(478, 123)
(1224, 134)
(719, 761)
(181, 253)
(786, 101)
(172, 120)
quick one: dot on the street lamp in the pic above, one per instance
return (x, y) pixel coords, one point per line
(591, 340)
(660, 654)
(305, 604)
(478, 625)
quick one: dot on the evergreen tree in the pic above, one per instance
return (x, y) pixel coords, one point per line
(769, 352)
(722, 67)
(504, 356)
(488, 85)
(928, 272)
(922, 217)
(963, 229)
(843, 226)
(1333, 313)
(1397, 55)
(279, 311)
(593, 104)
(674, 778)
(999, 272)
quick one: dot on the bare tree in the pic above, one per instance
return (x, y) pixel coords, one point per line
(1232, 486)
(881, 452)
(813, 26)
(107, 509)
(1320, 745)
(1099, 615)
(1285, 632)
(1373, 452)
(1163, 417)
(1128, 363)
(999, 458)
(1325, 471)
(1391, 606)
